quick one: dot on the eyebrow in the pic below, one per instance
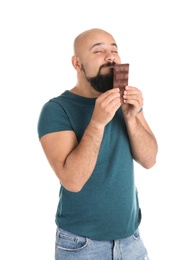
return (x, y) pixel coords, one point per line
(100, 43)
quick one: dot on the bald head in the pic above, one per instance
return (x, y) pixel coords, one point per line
(87, 39)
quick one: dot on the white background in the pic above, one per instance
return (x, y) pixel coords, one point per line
(36, 39)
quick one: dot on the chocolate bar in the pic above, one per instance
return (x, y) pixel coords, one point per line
(121, 73)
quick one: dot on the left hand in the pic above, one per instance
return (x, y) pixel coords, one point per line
(132, 101)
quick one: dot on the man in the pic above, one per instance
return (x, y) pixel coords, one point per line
(91, 136)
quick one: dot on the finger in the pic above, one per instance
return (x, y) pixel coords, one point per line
(109, 96)
(110, 104)
(114, 91)
(136, 104)
(133, 94)
(114, 103)
(132, 90)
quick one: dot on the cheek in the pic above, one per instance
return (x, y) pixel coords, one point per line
(91, 69)
(117, 59)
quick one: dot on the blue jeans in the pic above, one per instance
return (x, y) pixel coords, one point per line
(72, 247)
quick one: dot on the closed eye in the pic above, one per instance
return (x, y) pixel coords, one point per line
(98, 51)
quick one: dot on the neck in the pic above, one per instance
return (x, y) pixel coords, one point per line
(85, 91)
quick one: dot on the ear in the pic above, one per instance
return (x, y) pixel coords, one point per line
(76, 63)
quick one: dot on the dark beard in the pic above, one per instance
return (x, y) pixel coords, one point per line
(102, 83)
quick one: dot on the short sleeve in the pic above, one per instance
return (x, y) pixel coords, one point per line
(52, 118)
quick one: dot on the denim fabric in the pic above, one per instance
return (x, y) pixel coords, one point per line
(72, 247)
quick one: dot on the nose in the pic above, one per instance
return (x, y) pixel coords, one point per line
(110, 57)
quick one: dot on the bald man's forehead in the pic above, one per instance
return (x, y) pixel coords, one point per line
(88, 40)
(102, 44)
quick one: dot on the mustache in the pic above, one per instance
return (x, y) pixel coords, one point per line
(107, 65)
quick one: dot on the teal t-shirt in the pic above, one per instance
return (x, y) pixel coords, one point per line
(107, 207)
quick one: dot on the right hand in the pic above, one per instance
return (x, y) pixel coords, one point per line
(106, 106)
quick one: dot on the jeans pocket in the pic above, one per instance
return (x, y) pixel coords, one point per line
(136, 235)
(70, 242)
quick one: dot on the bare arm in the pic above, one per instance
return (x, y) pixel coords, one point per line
(74, 162)
(143, 142)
